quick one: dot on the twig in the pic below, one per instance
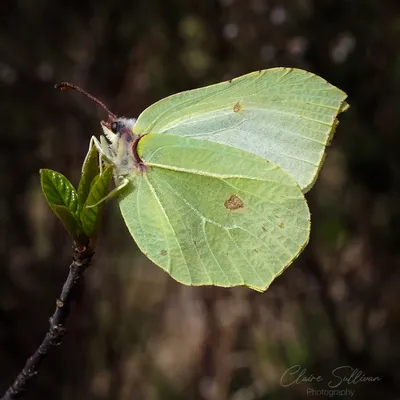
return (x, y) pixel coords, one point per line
(81, 260)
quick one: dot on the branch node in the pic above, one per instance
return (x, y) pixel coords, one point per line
(59, 303)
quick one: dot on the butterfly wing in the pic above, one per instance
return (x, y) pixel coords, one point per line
(287, 116)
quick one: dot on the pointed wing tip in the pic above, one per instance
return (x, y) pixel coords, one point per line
(344, 106)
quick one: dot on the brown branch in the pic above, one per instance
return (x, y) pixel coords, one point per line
(81, 260)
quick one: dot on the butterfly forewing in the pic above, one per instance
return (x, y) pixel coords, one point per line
(287, 116)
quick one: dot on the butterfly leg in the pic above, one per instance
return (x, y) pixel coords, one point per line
(100, 148)
(123, 182)
(105, 152)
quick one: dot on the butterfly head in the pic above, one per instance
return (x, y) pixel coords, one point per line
(122, 127)
(118, 145)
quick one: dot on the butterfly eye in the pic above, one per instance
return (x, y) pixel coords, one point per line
(114, 127)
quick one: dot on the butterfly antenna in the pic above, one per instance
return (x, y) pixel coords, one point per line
(65, 86)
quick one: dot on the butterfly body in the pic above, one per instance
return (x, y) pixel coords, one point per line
(118, 146)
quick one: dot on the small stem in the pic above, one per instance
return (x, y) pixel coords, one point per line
(81, 260)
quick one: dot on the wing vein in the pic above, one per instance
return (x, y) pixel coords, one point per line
(169, 223)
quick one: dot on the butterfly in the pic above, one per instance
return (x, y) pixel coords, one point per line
(211, 181)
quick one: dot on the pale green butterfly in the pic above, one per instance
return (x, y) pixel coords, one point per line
(211, 181)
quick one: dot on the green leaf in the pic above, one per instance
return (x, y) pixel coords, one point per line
(69, 221)
(90, 169)
(90, 216)
(285, 115)
(210, 214)
(62, 198)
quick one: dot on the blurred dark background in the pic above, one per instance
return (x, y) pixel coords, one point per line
(135, 333)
